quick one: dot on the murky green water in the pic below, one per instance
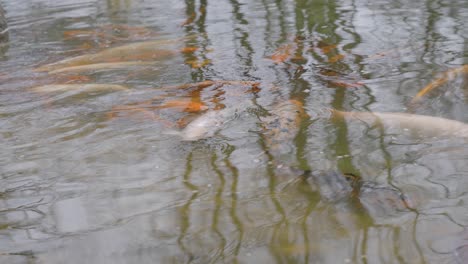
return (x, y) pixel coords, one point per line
(98, 176)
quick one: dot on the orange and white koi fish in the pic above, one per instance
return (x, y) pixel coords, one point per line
(207, 125)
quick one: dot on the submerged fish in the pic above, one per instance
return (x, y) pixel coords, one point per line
(282, 125)
(92, 87)
(145, 51)
(381, 201)
(207, 124)
(378, 200)
(421, 124)
(446, 76)
(102, 66)
(332, 186)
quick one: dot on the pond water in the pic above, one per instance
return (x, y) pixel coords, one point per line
(105, 169)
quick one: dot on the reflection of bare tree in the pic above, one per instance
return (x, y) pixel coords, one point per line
(3, 32)
(185, 210)
(282, 225)
(3, 25)
(115, 6)
(218, 200)
(233, 210)
(197, 39)
(244, 57)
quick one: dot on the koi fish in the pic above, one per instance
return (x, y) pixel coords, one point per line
(282, 126)
(283, 53)
(446, 76)
(146, 51)
(423, 125)
(278, 132)
(332, 186)
(102, 66)
(206, 125)
(92, 87)
(205, 84)
(382, 201)
(378, 200)
(185, 106)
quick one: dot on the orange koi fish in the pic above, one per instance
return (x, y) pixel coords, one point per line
(447, 76)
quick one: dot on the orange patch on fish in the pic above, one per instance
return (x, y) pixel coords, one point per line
(186, 106)
(189, 50)
(143, 56)
(130, 30)
(446, 76)
(189, 20)
(336, 58)
(282, 125)
(182, 122)
(326, 47)
(282, 54)
(297, 103)
(86, 46)
(76, 78)
(195, 64)
(344, 84)
(329, 73)
(255, 88)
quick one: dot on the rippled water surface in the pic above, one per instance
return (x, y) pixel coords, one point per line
(106, 169)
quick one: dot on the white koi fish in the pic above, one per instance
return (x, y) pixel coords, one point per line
(206, 125)
(421, 124)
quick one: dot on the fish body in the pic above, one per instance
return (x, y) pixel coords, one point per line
(206, 125)
(91, 87)
(382, 201)
(282, 125)
(378, 200)
(332, 186)
(447, 76)
(102, 66)
(144, 51)
(279, 129)
(421, 124)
